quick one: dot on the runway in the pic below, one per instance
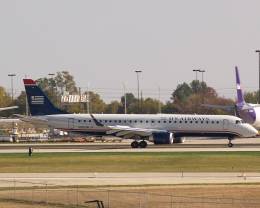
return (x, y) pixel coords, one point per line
(126, 179)
(190, 145)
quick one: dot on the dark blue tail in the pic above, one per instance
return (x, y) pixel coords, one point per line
(39, 103)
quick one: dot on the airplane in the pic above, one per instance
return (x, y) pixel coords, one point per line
(249, 112)
(160, 128)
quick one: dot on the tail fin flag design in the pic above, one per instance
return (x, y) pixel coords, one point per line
(39, 103)
(240, 96)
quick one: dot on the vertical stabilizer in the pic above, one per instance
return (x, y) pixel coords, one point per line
(39, 103)
(240, 96)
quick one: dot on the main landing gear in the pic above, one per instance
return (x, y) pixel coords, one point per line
(141, 144)
(230, 144)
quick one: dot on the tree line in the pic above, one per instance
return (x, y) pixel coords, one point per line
(186, 98)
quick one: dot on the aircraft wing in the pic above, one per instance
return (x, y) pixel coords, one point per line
(32, 119)
(8, 108)
(254, 105)
(126, 131)
(224, 107)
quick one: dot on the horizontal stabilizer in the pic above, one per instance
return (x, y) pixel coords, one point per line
(8, 108)
(31, 119)
(223, 107)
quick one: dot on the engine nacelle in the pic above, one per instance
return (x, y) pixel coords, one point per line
(179, 140)
(162, 138)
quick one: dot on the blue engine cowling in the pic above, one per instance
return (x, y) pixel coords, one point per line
(163, 138)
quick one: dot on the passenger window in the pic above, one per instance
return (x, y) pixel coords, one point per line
(196, 121)
(164, 121)
(159, 121)
(217, 122)
(89, 121)
(146, 121)
(79, 121)
(202, 122)
(180, 121)
(152, 121)
(212, 122)
(190, 121)
(170, 121)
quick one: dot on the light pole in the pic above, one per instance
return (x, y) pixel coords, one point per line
(196, 71)
(258, 51)
(159, 99)
(125, 98)
(202, 77)
(12, 85)
(138, 87)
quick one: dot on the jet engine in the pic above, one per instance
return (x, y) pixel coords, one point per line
(163, 138)
(179, 140)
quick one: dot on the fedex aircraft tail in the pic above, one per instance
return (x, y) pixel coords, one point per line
(39, 103)
(240, 96)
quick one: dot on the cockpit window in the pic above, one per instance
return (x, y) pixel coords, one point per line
(238, 122)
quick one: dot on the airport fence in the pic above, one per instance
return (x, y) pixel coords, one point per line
(49, 195)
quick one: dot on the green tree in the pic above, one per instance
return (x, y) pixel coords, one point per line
(150, 106)
(96, 104)
(114, 107)
(182, 92)
(251, 97)
(5, 101)
(131, 103)
(65, 82)
(20, 101)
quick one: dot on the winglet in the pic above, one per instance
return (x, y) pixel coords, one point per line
(240, 97)
(96, 121)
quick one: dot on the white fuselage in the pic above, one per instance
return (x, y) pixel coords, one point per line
(256, 123)
(180, 125)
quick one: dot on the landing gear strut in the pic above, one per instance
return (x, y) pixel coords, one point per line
(230, 144)
(136, 144)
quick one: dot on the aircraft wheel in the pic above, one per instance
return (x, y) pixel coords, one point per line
(230, 144)
(143, 144)
(134, 144)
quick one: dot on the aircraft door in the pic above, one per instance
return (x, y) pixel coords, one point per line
(225, 124)
(71, 123)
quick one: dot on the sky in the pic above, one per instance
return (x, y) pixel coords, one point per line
(102, 42)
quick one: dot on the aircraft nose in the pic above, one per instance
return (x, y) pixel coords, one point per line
(252, 130)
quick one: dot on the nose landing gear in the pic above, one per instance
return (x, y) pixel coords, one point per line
(230, 144)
